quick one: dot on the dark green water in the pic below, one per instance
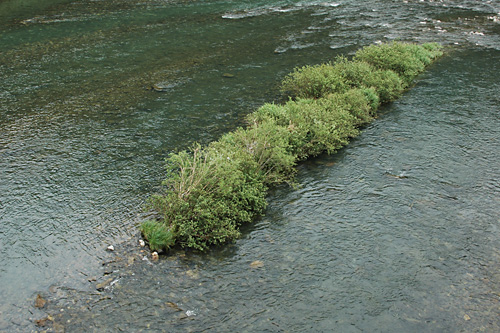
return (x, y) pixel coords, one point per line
(397, 232)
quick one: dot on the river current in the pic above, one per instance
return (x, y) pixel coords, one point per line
(399, 231)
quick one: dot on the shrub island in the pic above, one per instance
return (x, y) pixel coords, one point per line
(209, 192)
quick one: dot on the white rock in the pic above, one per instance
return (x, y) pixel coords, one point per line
(141, 243)
(111, 248)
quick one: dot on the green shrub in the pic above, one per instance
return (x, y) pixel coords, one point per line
(360, 74)
(372, 99)
(315, 126)
(209, 192)
(361, 103)
(269, 145)
(319, 81)
(407, 60)
(313, 82)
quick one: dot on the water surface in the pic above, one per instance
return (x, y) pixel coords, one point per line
(399, 231)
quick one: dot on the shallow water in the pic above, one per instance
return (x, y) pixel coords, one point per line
(397, 232)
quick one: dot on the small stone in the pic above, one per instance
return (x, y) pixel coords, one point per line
(192, 274)
(257, 264)
(174, 306)
(228, 75)
(111, 248)
(163, 86)
(102, 285)
(466, 317)
(155, 256)
(142, 243)
(158, 87)
(39, 301)
(41, 322)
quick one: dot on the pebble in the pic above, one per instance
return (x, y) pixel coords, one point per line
(257, 264)
(111, 248)
(101, 286)
(155, 256)
(142, 243)
(41, 322)
(39, 301)
(173, 306)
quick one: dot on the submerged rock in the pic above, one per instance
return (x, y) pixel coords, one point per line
(257, 264)
(101, 286)
(44, 321)
(174, 306)
(193, 274)
(401, 175)
(163, 86)
(39, 301)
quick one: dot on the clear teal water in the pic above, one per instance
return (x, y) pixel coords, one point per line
(397, 232)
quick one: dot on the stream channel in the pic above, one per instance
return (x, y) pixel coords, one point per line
(397, 232)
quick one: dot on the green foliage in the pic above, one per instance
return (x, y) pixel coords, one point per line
(210, 191)
(361, 103)
(360, 74)
(315, 126)
(341, 76)
(157, 234)
(269, 146)
(405, 59)
(314, 81)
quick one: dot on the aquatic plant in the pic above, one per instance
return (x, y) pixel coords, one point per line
(210, 191)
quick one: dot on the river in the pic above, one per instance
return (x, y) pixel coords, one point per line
(399, 231)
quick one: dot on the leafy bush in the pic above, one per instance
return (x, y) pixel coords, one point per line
(360, 74)
(361, 103)
(314, 81)
(315, 126)
(269, 145)
(209, 192)
(319, 81)
(407, 60)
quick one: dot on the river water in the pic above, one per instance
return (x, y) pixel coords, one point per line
(397, 232)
